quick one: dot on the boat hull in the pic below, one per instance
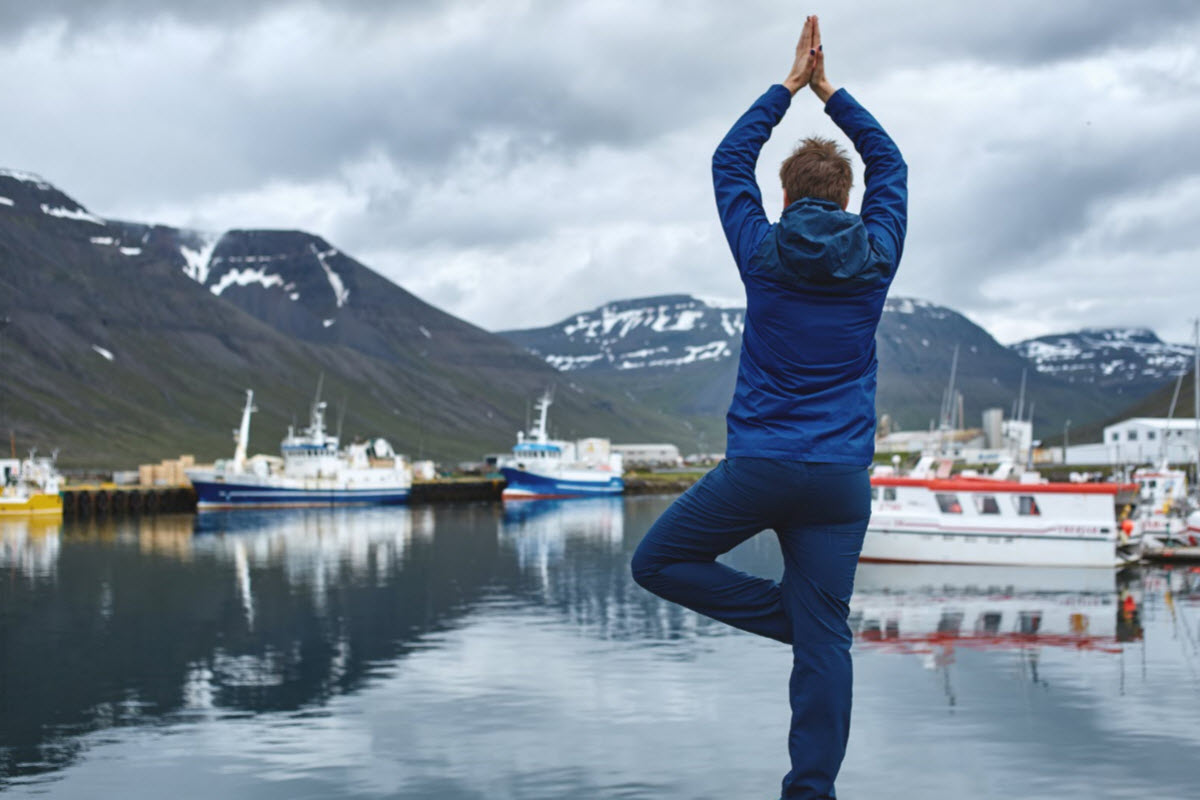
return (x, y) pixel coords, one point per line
(35, 504)
(526, 485)
(933, 546)
(227, 494)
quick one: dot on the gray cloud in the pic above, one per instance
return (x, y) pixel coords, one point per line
(556, 154)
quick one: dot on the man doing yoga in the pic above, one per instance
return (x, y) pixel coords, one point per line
(801, 427)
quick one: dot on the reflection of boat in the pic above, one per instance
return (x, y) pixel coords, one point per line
(541, 528)
(910, 608)
(312, 471)
(990, 520)
(30, 486)
(540, 467)
(30, 544)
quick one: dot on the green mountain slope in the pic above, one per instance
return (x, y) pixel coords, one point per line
(117, 352)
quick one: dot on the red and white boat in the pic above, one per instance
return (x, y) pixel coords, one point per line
(991, 520)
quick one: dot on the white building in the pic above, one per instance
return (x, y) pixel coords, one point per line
(649, 455)
(1140, 440)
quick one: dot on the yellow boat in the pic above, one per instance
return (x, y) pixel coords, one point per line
(29, 487)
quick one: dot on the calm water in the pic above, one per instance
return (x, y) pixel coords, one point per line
(474, 652)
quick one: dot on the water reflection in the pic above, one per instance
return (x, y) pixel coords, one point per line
(215, 620)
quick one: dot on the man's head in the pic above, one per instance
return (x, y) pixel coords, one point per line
(817, 168)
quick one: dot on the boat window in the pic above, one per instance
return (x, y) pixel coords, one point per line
(986, 504)
(1150, 435)
(1027, 506)
(948, 503)
(1116, 436)
(889, 493)
(1132, 436)
(874, 492)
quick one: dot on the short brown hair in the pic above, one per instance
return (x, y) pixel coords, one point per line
(817, 168)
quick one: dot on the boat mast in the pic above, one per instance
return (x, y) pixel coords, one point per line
(1164, 450)
(243, 433)
(1196, 393)
(1021, 397)
(543, 406)
(316, 420)
(946, 423)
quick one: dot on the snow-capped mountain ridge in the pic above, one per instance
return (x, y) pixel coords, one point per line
(664, 331)
(1107, 356)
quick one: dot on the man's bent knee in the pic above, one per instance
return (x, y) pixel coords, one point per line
(647, 569)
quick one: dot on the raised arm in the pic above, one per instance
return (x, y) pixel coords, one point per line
(739, 200)
(885, 197)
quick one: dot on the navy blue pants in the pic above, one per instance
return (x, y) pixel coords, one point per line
(819, 512)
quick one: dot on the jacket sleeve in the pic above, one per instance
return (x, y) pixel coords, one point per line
(739, 201)
(885, 199)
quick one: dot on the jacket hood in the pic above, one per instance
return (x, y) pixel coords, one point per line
(817, 241)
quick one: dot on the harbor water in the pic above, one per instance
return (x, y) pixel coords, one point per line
(480, 651)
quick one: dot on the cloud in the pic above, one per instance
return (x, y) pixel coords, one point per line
(547, 156)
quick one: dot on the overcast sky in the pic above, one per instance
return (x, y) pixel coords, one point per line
(514, 162)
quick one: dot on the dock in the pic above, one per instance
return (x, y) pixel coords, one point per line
(101, 500)
(88, 501)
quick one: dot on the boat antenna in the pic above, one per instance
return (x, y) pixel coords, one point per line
(1021, 398)
(1196, 392)
(320, 383)
(342, 416)
(1032, 406)
(1164, 452)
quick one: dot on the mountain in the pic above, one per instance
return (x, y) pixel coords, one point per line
(678, 354)
(1132, 361)
(1156, 404)
(128, 342)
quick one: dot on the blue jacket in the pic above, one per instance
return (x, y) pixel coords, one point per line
(815, 285)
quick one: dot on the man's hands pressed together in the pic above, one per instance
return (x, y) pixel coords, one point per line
(809, 67)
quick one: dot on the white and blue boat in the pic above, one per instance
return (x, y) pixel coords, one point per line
(312, 471)
(540, 467)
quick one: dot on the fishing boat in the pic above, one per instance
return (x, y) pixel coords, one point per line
(30, 486)
(995, 520)
(543, 468)
(1168, 515)
(311, 471)
(1010, 516)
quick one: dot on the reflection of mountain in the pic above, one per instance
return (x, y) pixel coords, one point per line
(131, 623)
(439, 612)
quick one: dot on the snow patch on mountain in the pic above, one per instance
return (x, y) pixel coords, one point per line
(912, 305)
(196, 259)
(667, 331)
(340, 293)
(1107, 356)
(79, 214)
(26, 177)
(6, 201)
(107, 355)
(246, 277)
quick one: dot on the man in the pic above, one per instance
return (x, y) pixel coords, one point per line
(802, 422)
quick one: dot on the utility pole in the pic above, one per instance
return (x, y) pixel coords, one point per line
(1066, 440)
